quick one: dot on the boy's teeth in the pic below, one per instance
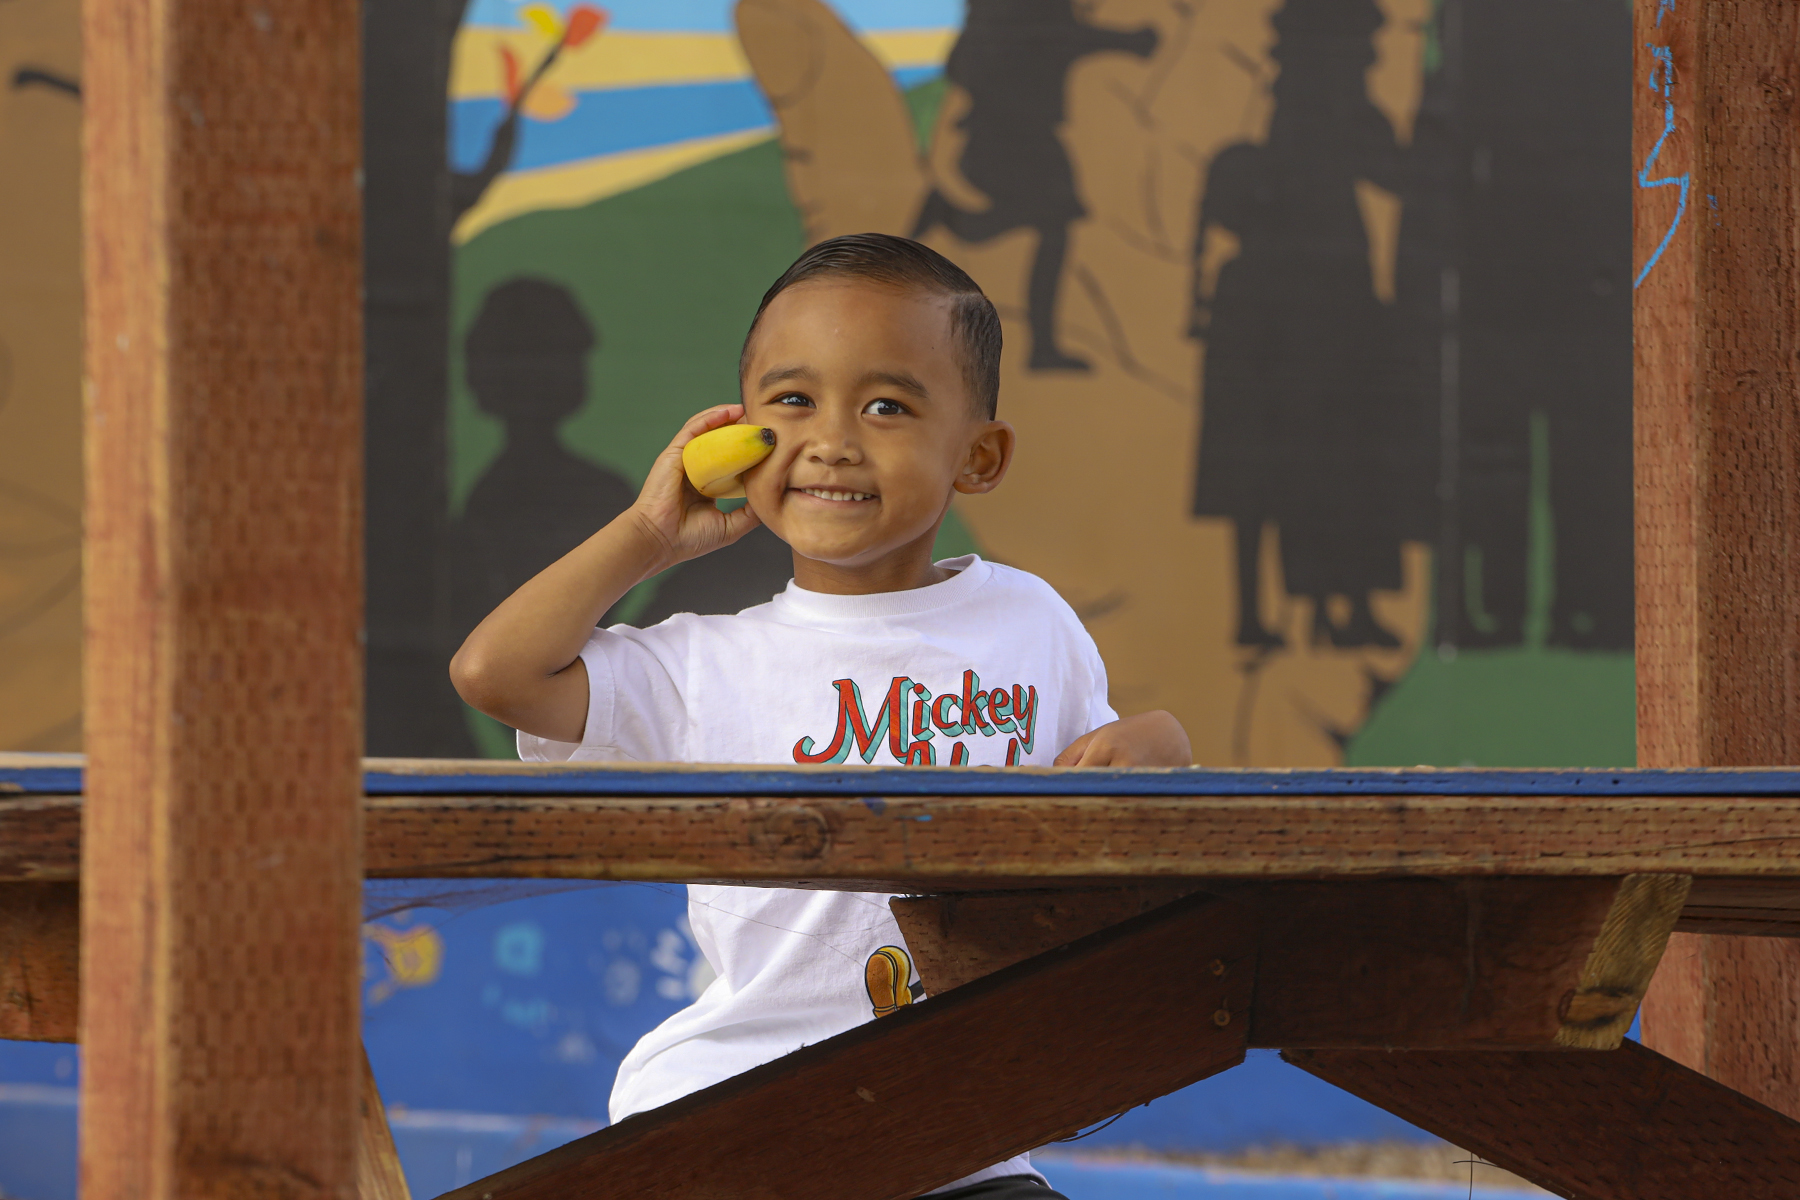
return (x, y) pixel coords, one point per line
(823, 494)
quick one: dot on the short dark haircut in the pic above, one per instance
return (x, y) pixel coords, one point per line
(898, 262)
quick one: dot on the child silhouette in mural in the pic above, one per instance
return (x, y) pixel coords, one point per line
(1311, 411)
(525, 357)
(1012, 60)
(876, 363)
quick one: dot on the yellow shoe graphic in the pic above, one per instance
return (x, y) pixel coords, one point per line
(888, 975)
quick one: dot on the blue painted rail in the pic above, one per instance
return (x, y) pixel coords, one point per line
(61, 775)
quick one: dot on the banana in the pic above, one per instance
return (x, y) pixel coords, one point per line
(715, 460)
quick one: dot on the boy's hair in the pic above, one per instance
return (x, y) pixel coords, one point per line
(899, 262)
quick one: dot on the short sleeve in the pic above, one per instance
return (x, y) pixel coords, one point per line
(1100, 709)
(636, 712)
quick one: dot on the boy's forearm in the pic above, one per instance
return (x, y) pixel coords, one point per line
(508, 666)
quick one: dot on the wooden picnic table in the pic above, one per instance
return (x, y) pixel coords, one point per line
(1457, 946)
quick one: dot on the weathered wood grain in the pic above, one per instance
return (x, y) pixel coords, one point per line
(913, 840)
(40, 989)
(1717, 415)
(917, 1099)
(223, 670)
(1497, 963)
(378, 1173)
(1625, 1124)
(917, 844)
(1744, 907)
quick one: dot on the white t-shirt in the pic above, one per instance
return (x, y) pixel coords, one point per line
(989, 667)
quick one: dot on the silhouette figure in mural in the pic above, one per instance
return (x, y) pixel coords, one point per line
(749, 571)
(1012, 61)
(1313, 412)
(525, 358)
(1539, 150)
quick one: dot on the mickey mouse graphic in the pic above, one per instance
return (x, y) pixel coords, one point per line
(888, 976)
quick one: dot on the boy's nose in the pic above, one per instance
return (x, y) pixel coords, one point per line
(834, 441)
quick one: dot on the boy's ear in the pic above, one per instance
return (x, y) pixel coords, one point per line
(990, 454)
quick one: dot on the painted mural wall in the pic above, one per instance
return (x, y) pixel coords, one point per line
(1317, 320)
(40, 376)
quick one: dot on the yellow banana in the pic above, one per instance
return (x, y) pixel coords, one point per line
(715, 460)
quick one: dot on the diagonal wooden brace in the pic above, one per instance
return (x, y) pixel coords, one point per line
(1474, 963)
(40, 958)
(939, 1089)
(1626, 1124)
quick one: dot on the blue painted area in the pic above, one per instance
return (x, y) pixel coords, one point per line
(610, 121)
(1662, 78)
(59, 780)
(444, 1150)
(441, 1150)
(714, 16)
(873, 784)
(615, 120)
(1143, 1181)
(37, 1138)
(495, 1030)
(1260, 1103)
(868, 782)
(534, 1003)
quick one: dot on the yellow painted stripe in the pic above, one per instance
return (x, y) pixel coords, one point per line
(631, 59)
(518, 192)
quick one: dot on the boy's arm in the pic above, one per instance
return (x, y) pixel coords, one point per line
(1152, 739)
(522, 664)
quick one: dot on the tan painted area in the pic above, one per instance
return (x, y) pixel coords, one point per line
(1380, 210)
(1396, 79)
(1098, 500)
(861, 169)
(518, 192)
(40, 379)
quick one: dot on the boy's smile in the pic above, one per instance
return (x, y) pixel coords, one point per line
(875, 429)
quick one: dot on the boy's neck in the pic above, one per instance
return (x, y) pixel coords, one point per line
(901, 570)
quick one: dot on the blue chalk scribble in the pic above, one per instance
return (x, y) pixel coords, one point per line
(1667, 6)
(1665, 65)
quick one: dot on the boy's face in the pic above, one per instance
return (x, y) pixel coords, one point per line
(874, 424)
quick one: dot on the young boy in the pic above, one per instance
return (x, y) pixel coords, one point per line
(876, 361)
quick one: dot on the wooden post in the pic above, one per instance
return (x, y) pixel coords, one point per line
(222, 858)
(1717, 154)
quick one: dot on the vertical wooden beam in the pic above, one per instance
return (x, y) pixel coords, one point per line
(221, 865)
(1717, 150)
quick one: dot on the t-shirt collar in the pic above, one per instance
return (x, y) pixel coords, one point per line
(971, 572)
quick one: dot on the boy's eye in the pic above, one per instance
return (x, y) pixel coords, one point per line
(883, 408)
(794, 400)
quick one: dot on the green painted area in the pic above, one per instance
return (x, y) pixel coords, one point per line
(1525, 707)
(668, 275)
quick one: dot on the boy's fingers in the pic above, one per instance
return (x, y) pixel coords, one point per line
(1076, 750)
(739, 521)
(700, 422)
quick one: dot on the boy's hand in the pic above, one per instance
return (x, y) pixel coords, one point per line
(1152, 739)
(521, 665)
(683, 523)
